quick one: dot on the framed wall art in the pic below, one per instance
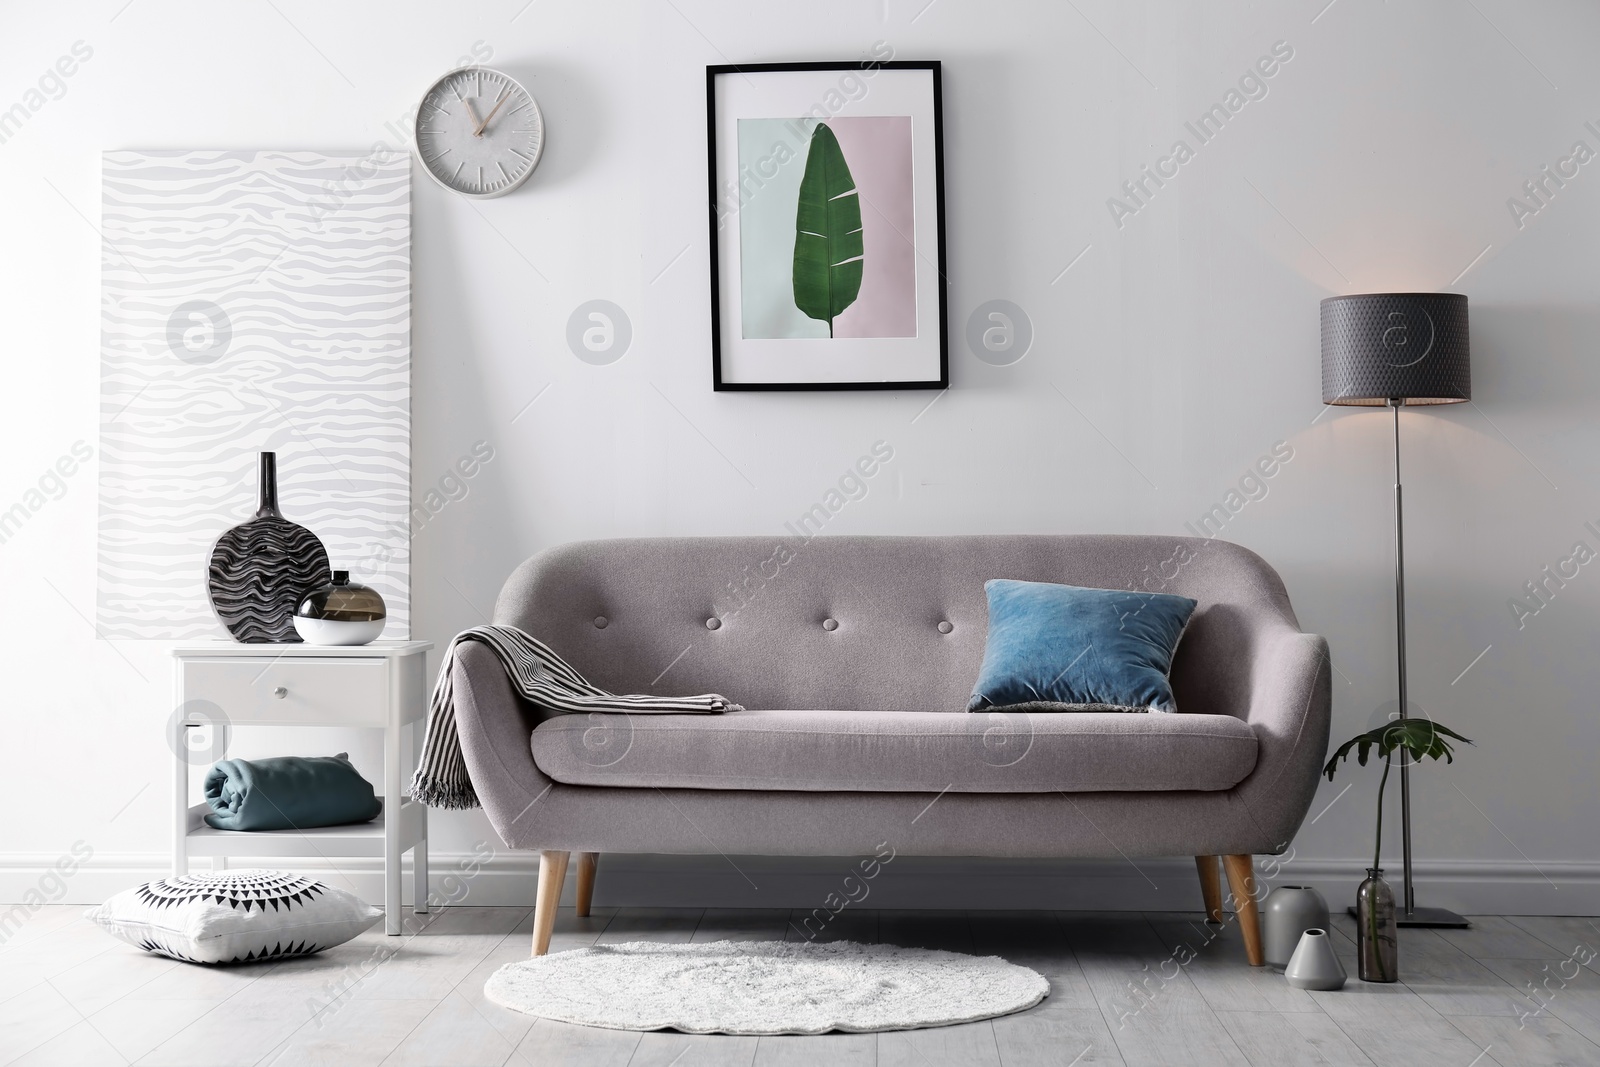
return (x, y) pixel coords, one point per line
(827, 226)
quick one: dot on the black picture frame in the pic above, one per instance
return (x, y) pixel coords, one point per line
(934, 67)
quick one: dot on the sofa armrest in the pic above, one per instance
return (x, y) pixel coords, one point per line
(1291, 694)
(495, 727)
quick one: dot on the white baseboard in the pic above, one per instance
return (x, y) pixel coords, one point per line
(507, 879)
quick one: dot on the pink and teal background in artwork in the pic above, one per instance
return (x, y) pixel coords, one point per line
(772, 160)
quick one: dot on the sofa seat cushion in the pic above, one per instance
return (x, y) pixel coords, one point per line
(878, 751)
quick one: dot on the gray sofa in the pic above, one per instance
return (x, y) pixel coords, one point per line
(855, 657)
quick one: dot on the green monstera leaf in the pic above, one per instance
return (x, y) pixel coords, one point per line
(1420, 738)
(827, 241)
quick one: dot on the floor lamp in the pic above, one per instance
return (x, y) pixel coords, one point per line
(1398, 350)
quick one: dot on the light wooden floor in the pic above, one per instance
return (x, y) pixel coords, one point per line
(69, 994)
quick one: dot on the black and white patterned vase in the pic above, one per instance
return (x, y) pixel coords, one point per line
(261, 570)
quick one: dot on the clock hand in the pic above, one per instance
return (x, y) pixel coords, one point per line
(501, 103)
(470, 115)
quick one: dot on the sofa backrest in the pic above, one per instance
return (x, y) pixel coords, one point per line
(855, 622)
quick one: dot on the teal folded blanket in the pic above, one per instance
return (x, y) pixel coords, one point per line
(288, 793)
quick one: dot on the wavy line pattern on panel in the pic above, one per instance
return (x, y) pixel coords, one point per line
(251, 301)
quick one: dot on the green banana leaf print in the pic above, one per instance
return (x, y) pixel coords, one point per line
(827, 242)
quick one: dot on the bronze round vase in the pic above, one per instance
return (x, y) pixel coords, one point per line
(261, 569)
(341, 613)
(1377, 932)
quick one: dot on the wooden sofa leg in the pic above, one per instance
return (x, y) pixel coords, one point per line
(1210, 886)
(1242, 881)
(552, 873)
(587, 861)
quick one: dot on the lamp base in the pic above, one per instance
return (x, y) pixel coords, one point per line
(1437, 918)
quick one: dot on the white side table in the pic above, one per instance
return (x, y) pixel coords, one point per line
(381, 686)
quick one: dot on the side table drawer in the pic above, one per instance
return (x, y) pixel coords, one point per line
(332, 692)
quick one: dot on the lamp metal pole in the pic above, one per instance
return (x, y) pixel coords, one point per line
(1410, 914)
(1400, 647)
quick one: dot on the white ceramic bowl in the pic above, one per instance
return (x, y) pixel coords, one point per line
(332, 632)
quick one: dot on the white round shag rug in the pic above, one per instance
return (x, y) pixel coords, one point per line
(764, 987)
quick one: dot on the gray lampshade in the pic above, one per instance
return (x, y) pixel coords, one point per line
(1378, 347)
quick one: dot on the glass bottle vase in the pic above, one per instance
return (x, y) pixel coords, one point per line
(1377, 934)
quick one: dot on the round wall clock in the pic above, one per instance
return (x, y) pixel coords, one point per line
(479, 132)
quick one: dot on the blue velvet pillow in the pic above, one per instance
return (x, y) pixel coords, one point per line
(1063, 648)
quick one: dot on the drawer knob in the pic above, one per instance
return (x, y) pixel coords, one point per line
(280, 692)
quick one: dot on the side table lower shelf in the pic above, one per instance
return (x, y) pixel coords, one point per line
(368, 839)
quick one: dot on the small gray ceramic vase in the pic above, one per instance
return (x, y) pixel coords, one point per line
(1314, 964)
(1288, 912)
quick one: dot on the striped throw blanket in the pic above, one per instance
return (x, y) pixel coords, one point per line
(546, 680)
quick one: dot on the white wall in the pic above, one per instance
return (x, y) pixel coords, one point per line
(1381, 159)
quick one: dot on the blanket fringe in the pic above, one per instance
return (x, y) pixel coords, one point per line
(433, 793)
